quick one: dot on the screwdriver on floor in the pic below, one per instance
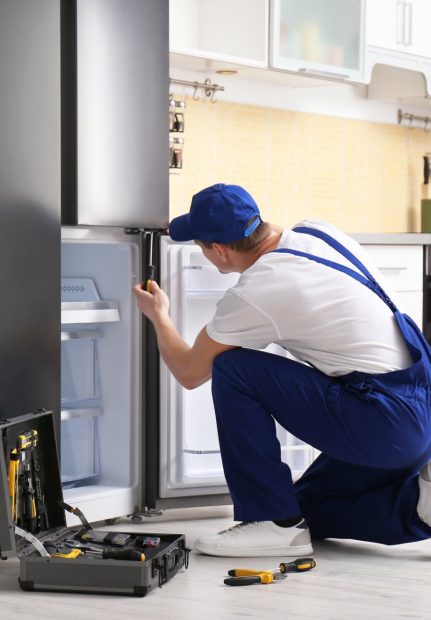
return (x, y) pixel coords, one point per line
(248, 576)
(296, 566)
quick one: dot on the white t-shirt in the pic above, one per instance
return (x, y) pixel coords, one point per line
(320, 315)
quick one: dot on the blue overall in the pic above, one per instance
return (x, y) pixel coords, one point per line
(373, 432)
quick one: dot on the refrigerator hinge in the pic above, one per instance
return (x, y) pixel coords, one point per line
(136, 230)
(133, 231)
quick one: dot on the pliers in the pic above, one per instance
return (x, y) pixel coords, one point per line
(248, 576)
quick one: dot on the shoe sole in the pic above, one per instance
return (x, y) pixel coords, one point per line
(300, 550)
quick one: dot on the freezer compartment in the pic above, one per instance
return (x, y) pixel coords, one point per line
(190, 452)
(100, 419)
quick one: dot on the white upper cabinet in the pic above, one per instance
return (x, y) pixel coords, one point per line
(233, 31)
(319, 37)
(400, 26)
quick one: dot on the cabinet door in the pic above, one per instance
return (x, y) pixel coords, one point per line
(399, 25)
(417, 26)
(222, 30)
(318, 37)
(385, 23)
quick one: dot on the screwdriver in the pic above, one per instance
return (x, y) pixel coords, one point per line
(149, 270)
(119, 554)
(298, 566)
(13, 477)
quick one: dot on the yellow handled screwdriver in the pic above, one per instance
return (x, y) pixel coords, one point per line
(13, 476)
(149, 270)
(297, 566)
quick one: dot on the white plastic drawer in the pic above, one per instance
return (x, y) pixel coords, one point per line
(400, 265)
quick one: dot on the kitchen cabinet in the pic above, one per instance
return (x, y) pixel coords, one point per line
(234, 32)
(399, 25)
(402, 270)
(321, 38)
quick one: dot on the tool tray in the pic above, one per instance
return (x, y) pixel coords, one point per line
(83, 574)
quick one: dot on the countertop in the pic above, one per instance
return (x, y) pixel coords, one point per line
(392, 238)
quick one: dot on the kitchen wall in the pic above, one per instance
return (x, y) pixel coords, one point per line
(361, 175)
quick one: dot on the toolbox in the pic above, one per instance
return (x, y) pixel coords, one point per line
(31, 502)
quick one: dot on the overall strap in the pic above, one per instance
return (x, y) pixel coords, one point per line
(366, 279)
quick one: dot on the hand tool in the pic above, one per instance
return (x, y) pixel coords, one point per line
(13, 480)
(29, 500)
(42, 511)
(297, 566)
(107, 552)
(248, 576)
(28, 439)
(148, 270)
(80, 515)
(57, 551)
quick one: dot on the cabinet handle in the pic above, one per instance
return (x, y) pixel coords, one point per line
(400, 22)
(318, 73)
(408, 23)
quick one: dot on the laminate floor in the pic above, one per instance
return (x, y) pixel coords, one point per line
(352, 580)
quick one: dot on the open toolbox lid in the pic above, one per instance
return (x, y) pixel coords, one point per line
(41, 421)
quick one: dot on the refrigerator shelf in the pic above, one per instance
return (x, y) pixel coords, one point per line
(84, 334)
(73, 312)
(88, 412)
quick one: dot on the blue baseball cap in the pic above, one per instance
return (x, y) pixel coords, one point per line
(218, 214)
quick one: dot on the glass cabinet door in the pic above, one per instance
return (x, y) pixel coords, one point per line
(322, 37)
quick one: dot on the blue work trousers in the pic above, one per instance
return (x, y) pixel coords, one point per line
(364, 485)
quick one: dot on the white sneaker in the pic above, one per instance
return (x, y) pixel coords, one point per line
(258, 538)
(424, 504)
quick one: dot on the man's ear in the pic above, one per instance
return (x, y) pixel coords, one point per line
(221, 250)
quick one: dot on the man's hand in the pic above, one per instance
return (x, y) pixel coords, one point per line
(191, 366)
(154, 305)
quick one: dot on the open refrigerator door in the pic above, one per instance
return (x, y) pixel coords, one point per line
(100, 372)
(190, 459)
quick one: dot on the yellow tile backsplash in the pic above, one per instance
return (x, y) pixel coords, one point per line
(362, 176)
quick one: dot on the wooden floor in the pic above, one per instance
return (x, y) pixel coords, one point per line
(352, 581)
